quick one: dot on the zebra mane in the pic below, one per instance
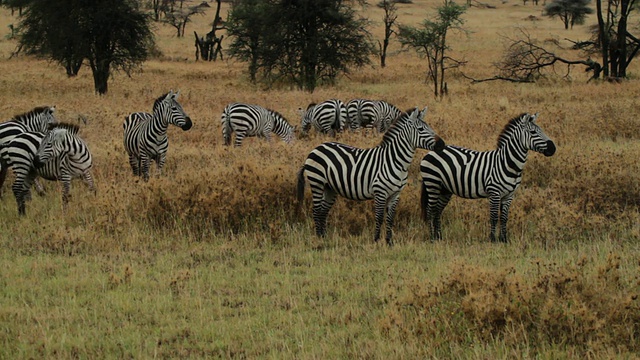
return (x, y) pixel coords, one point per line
(160, 98)
(71, 128)
(508, 129)
(28, 114)
(277, 115)
(395, 124)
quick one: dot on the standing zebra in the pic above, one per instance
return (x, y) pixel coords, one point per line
(145, 135)
(385, 115)
(473, 174)
(253, 120)
(360, 113)
(36, 120)
(327, 117)
(379, 173)
(58, 155)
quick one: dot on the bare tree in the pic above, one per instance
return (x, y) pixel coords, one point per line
(179, 17)
(526, 61)
(210, 46)
(390, 17)
(430, 41)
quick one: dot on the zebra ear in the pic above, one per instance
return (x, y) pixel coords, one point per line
(423, 113)
(533, 117)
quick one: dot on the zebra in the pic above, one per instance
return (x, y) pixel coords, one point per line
(385, 115)
(58, 155)
(360, 113)
(145, 135)
(473, 174)
(253, 120)
(38, 119)
(327, 117)
(378, 173)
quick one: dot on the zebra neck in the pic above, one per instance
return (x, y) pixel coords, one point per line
(160, 120)
(400, 153)
(514, 155)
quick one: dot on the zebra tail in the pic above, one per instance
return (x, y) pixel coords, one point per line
(226, 127)
(300, 190)
(424, 201)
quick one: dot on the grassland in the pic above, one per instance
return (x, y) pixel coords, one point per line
(210, 260)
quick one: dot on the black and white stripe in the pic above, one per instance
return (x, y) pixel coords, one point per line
(327, 117)
(253, 120)
(473, 174)
(360, 113)
(145, 135)
(379, 173)
(36, 120)
(58, 155)
(385, 115)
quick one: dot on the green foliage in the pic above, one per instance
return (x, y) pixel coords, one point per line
(430, 41)
(300, 42)
(110, 35)
(569, 11)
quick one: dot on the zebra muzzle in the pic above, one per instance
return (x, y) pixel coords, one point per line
(550, 150)
(439, 144)
(187, 124)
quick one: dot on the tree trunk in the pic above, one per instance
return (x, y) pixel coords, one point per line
(100, 77)
(621, 71)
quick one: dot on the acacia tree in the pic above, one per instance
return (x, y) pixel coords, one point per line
(298, 41)
(571, 12)
(430, 41)
(110, 35)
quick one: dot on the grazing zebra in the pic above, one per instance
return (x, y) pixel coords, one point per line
(328, 117)
(379, 173)
(253, 120)
(360, 113)
(36, 120)
(386, 114)
(58, 155)
(473, 174)
(145, 135)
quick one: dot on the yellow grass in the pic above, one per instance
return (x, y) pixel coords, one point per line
(210, 259)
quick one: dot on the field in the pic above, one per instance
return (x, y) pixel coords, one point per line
(210, 260)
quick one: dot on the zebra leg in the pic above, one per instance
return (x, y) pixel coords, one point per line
(65, 178)
(39, 188)
(504, 217)
(162, 158)
(3, 176)
(88, 179)
(438, 208)
(380, 203)
(21, 190)
(494, 208)
(240, 135)
(144, 166)
(323, 200)
(392, 203)
(134, 161)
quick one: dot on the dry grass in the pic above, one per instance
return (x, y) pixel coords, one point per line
(210, 259)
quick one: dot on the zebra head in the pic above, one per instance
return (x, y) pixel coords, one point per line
(39, 119)
(534, 138)
(307, 117)
(168, 108)
(423, 135)
(52, 145)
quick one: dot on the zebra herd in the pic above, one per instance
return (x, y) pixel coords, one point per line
(35, 144)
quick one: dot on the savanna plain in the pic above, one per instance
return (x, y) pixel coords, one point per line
(210, 260)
